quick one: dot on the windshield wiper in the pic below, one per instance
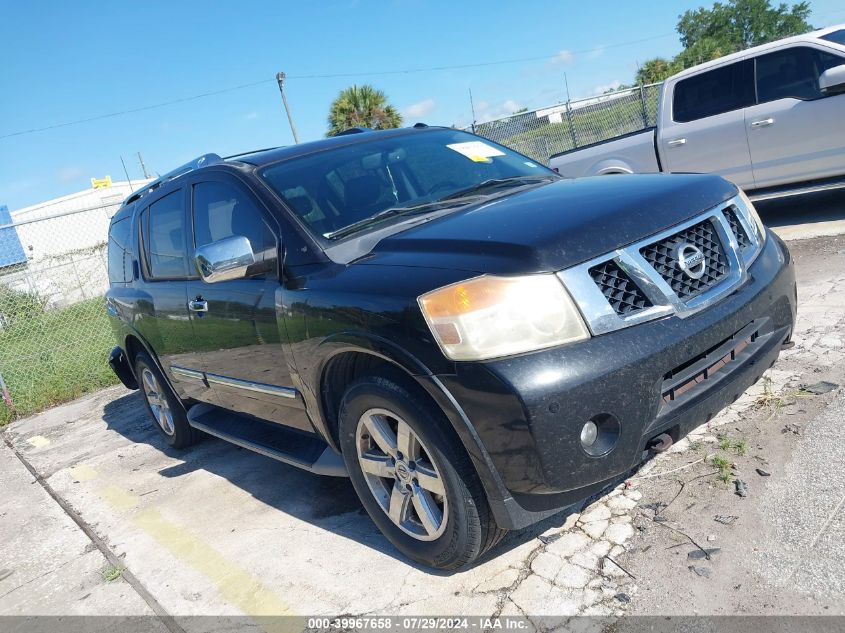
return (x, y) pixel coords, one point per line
(389, 213)
(497, 183)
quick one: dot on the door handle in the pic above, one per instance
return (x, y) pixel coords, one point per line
(677, 142)
(763, 123)
(198, 305)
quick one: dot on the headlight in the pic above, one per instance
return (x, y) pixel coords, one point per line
(752, 215)
(488, 316)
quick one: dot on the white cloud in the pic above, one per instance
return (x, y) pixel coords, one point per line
(562, 58)
(602, 88)
(251, 116)
(66, 174)
(419, 109)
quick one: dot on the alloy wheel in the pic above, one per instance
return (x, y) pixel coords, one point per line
(401, 474)
(158, 402)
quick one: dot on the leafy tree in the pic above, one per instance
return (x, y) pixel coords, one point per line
(736, 25)
(362, 106)
(656, 70)
(725, 28)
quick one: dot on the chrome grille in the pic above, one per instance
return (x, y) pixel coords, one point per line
(621, 292)
(642, 281)
(663, 256)
(736, 228)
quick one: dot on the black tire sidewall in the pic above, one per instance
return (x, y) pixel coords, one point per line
(183, 434)
(460, 540)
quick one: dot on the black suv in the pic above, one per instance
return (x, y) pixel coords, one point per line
(474, 340)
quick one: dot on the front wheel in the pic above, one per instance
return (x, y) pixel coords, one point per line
(412, 475)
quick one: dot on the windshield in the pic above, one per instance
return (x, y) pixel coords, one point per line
(345, 190)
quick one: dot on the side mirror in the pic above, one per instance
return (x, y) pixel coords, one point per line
(832, 81)
(224, 259)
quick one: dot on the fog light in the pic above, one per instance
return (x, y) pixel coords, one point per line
(589, 433)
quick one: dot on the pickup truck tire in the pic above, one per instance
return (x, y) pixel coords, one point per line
(381, 416)
(165, 408)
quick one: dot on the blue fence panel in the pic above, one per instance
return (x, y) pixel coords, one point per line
(11, 251)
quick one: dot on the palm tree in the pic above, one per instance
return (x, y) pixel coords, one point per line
(362, 106)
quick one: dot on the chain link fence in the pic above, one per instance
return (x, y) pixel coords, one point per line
(54, 332)
(559, 128)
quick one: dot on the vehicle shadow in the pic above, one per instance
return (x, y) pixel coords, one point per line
(808, 210)
(326, 502)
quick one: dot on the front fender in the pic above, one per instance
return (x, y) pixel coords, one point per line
(507, 513)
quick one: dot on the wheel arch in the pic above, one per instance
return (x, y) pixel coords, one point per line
(359, 355)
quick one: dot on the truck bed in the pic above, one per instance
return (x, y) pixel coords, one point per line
(630, 153)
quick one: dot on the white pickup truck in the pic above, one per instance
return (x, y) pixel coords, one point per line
(770, 118)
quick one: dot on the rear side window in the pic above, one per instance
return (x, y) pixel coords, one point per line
(792, 73)
(165, 237)
(119, 257)
(714, 92)
(222, 210)
(837, 37)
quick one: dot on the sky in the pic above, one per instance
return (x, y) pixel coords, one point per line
(64, 62)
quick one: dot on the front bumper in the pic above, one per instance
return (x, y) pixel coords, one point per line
(668, 375)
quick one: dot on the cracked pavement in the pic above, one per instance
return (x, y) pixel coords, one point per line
(220, 530)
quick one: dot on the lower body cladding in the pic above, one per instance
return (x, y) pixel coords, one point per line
(561, 424)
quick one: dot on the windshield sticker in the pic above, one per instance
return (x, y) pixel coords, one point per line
(529, 163)
(476, 151)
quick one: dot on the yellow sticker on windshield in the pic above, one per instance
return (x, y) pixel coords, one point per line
(477, 151)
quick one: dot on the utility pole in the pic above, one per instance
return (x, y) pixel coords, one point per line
(143, 166)
(280, 77)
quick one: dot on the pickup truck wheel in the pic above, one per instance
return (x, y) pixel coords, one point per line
(163, 405)
(412, 475)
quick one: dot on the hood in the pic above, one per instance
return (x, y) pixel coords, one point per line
(553, 226)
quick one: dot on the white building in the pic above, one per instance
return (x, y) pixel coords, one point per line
(64, 241)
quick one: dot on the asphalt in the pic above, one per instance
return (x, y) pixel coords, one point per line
(804, 511)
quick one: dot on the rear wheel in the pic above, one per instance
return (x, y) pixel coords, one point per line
(163, 405)
(412, 475)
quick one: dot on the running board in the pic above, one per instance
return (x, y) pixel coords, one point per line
(271, 440)
(795, 190)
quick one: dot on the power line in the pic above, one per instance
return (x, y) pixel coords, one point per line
(376, 73)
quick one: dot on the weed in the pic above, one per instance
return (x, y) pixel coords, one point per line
(724, 467)
(112, 573)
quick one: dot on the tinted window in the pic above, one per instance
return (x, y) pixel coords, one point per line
(165, 245)
(792, 72)
(837, 37)
(714, 92)
(336, 188)
(221, 211)
(118, 241)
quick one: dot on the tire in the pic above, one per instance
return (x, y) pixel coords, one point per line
(466, 528)
(165, 408)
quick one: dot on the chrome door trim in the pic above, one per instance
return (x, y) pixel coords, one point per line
(249, 385)
(184, 372)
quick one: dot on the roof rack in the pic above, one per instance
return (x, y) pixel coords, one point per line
(354, 130)
(202, 161)
(252, 151)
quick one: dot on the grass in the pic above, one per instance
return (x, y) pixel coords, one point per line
(723, 465)
(112, 573)
(774, 402)
(55, 356)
